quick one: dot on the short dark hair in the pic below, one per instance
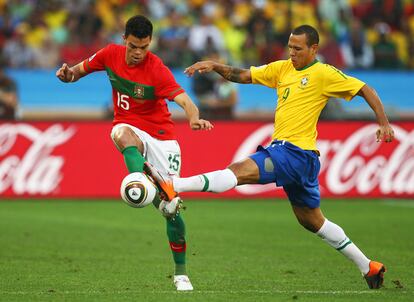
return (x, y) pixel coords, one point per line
(138, 26)
(312, 36)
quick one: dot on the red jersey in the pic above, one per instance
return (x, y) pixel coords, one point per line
(139, 91)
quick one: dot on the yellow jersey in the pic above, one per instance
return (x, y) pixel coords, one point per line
(302, 94)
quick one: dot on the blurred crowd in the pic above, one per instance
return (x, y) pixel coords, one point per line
(358, 34)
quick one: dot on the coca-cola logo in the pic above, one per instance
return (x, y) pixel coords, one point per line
(356, 163)
(37, 171)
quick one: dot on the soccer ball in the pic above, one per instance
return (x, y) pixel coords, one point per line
(137, 190)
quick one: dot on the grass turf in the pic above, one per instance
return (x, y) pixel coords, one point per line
(251, 250)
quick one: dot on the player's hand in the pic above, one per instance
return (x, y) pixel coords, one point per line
(385, 133)
(200, 124)
(201, 67)
(65, 74)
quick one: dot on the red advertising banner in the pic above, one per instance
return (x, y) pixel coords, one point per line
(78, 159)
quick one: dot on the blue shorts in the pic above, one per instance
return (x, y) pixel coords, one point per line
(293, 168)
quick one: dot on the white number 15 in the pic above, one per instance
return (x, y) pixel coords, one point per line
(123, 101)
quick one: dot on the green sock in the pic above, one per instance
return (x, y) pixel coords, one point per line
(157, 200)
(133, 159)
(176, 236)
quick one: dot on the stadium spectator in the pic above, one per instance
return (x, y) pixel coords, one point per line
(6, 28)
(337, 15)
(203, 87)
(291, 160)
(205, 37)
(389, 12)
(173, 42)
(56, 18)
(36, 30)
(332, 11)
(356, 50)
(234, 34)
(362, 10)
(142, 124)
(8, 96)
(17, 53)
(212, 25)
(260, 44)
(19, 10)
(90, 24)
(385, 50)
(217, 97)
(410, 32)
(329, 50)
(114, 32)
(47, 55)
(303, 12)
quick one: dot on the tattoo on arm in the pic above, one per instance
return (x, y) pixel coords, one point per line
(230, 73)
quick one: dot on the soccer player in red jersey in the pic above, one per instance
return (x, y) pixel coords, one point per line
(142, 126)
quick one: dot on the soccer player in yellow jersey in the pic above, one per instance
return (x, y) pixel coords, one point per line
(304, 86)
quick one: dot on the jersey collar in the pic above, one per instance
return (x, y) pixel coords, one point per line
(309, 65)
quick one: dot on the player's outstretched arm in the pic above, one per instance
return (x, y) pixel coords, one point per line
(234, 74)
(192, 113)
(385, 131)
(70, 74)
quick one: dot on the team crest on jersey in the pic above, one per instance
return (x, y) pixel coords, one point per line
(139, 91)
(304, 81)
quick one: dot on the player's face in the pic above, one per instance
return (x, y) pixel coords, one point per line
(136, 49)
(300, 53)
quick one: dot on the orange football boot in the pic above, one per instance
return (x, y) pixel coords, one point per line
(375, 276)
(163, 183)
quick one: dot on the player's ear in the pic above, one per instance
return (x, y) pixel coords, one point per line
(124, 38)
(314, 49)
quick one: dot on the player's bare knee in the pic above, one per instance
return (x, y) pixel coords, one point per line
(121, 137)
(124, 137)
(246, 171)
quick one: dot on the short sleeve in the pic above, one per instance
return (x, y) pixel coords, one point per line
(339, 85)
(166, 87)
(96, 62)
(266, 75)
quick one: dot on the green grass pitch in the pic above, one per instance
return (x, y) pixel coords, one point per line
(250, 250)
